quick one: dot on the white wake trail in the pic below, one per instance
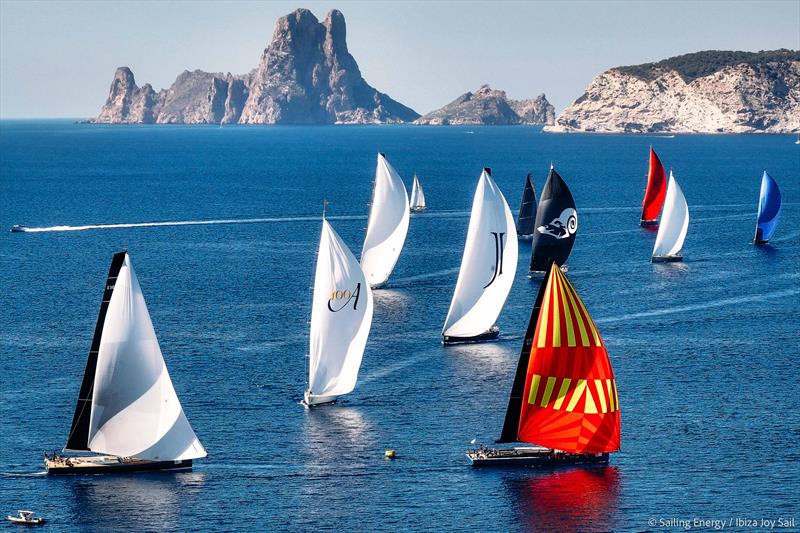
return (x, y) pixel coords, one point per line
(698, 307)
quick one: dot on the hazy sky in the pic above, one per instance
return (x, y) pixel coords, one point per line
(57, 58)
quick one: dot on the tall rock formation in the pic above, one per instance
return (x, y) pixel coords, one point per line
(306, 76)
(487, 106)
(705, 92)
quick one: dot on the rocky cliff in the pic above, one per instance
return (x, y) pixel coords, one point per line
(306, 76)
(706, 92)
(487, 106)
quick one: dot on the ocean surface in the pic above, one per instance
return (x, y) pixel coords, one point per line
(705, 351)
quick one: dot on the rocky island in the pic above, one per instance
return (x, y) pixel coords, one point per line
(487, 106)
(704, 92)
(306, 76)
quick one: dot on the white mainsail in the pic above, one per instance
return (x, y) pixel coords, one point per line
(341, 316)
(488, 266)
(674, 222)
(135, 411)
(417, 202)
(387, 226)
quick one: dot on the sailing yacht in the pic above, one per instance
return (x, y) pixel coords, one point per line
(417, 202)
(488, 267)
(526, 220)
(655, 192)
(769, 209)
(341, 316)
(556, 225)
(674, 224)
(127, 408)
(387, 226)
(564, 398)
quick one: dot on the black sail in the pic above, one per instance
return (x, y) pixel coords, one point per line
(556, 225)
(526, 221)
(511, 424)
(78, 439)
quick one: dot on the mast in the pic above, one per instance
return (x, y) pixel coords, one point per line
(511, 423)
(78, 438)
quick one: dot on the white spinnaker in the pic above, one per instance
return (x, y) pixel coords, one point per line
(388, 224)
(135, 410)
(417, 195)
(674, 222)
(485, 278)
(341, 316)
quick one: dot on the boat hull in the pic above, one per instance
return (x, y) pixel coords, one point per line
(648, 223)
(417, 209)
(312, 400)
(533, 456)
(109, 464)
(667, 259)
(489, 335)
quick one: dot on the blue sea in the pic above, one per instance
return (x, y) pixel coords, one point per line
(705, 351)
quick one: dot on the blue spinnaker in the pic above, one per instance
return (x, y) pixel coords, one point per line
(769, 209)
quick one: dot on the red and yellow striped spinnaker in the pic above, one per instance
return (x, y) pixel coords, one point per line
(570, 401)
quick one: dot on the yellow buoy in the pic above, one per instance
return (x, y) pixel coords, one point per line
(390, 454)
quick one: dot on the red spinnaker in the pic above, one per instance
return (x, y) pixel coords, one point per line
(570, 401)
(656, 189)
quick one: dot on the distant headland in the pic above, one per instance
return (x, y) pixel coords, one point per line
(306, 75)
(705, 92)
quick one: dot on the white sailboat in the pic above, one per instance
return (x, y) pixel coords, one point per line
(387, 226)
(417, 202)
(487, 269)
(341, 316)
(127, 408)
(673, 226)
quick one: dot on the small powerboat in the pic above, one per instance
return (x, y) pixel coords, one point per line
(18, 228)
(25, 517)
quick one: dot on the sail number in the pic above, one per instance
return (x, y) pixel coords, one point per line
(340, 299)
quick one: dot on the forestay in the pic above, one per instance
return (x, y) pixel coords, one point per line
(341, 317)
(488, 265)
(674, 222)
(135, 411)
(387, 226)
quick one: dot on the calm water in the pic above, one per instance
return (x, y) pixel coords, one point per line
(705, 351)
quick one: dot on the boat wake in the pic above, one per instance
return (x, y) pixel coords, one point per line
(400, 282)
(23, 474)
(697, 307)
(265, 220)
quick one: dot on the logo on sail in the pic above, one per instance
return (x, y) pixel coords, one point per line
(562, 227)
(499, 245)
(341, 299)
